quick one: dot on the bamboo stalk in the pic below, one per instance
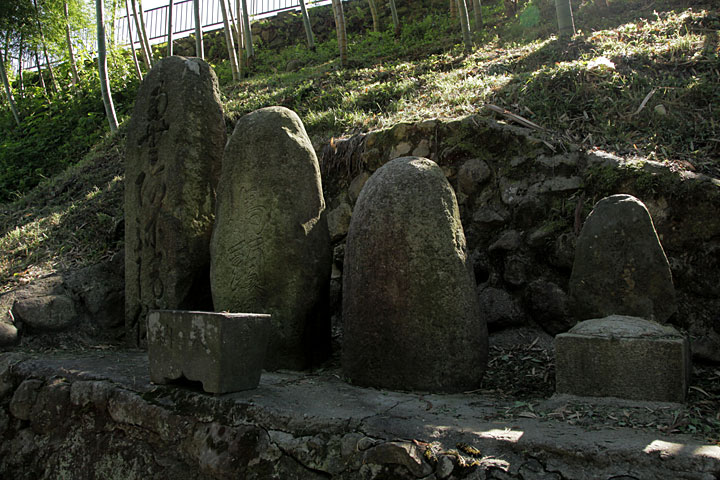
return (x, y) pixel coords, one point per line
(73, 65)
(340, 28)
(395, 19)
(229, 42)
(132, 42)
(171, 6)
(308, 26)
(199, 50)
(139, 28)
(145, 35)
(374, 14)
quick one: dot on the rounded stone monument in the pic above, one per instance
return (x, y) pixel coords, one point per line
(620, 267)
(270, 249)
(411, 317)
(175, 143)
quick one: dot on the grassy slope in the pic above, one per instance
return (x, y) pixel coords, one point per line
(662, 47)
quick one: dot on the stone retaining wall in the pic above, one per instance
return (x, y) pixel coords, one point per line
(95, 415)
(523, 198)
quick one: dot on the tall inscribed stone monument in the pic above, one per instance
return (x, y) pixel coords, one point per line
(620, 266)
(411, 316)
(270, 248)
(175, 144)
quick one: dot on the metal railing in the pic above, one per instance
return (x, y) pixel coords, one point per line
(156, 20)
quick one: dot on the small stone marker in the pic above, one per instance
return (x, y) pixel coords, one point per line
(224, 351)
(270, 247)
(620, 267)
(624, 357)
(410, 310)
(174, 149)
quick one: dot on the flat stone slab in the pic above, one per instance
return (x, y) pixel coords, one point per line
(300, 425)
(224, 351)
(624, 357)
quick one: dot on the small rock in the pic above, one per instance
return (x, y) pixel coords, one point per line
(93, 392)
(294, 65)
(472, 174)
(399, 453)
(428, 125)
(49, 313)
(489, 216)
(422, 150)
(52, 406)
(339, 255)
(550, 306)
(400, 131)
(401, 149)
(509, 240)
(444, 467)
(339, 221)
(24, 398)
(564, 252)
(8, 335)
(356, 186)
(365, 443)
(527, 211)
(515, 270)
(500, 309)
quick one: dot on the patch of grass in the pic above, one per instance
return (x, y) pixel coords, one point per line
(71, 220)
(639, 80)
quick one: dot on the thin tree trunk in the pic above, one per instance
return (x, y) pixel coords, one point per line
(248, 33)
(199, 52)
(40, 74)
(8, 91)
(138, 28)
(112, 25)
(566, 23)
(308, 27)
(374, 14)
(453, 8)
(229, 42)
(44, 46)
(340, 28)
(465, 24)
(477, 11)
(170, 28)
(73, 65)
(21, 82)
(138, 72)
(395, 19)
(145, 37)
(7, 46)
(239, 42)
(102, 67)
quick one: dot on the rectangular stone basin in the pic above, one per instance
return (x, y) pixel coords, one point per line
(223, 351)
(623, 357)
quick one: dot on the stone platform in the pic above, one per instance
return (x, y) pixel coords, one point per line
(96, 415)
(625, 357)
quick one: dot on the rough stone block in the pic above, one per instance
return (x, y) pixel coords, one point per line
(270, 249)
(624, 357)
(224, 351)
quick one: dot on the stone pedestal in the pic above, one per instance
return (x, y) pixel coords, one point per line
(624, 357)
(224, 351)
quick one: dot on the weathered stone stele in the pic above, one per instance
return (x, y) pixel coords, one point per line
(223, 351)
(174, 151)
(411, 317)
(624, 357)
(270, 247)
(620, 266)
